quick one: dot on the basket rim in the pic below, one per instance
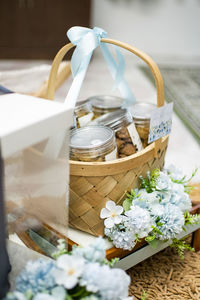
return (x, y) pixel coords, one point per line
(118, 166)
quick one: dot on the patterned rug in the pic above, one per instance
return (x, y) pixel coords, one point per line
(165, 276)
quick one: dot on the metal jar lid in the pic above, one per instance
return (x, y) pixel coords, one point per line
(141, 111)
(92, 138)
(106, 102)
(115, 120)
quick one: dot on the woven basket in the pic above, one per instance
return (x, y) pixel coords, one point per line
(92, 184)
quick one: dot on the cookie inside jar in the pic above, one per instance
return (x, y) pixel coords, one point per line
(141, 113)
(105, 104)
(127, 138)
(93, 144)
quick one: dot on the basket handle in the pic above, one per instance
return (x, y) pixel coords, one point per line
(147, 59)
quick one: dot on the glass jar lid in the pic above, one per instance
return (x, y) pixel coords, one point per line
(115, 120)
(106, 102)
(96, 140)
(142, 110)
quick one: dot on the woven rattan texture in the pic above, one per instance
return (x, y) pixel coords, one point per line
(88, 195)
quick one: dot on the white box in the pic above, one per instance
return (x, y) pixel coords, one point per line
(36, 183)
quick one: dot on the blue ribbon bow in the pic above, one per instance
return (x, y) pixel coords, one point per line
(86, 41)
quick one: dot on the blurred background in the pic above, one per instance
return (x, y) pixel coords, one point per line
(37, 28)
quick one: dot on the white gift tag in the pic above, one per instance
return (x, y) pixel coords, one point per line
(135, 136)
(83, 121)
(112, 155)
(160, 122)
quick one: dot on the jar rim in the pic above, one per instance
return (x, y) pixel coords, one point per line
(115, 120)
(106, 101)
(84, 104)
(84, 131)
(141, 111)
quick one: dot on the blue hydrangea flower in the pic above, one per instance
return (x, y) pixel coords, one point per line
(121, 239)
(156, 211)
(108, 283)
(93, 253)
(164, 196)
(36, 277)
(176, 196)
(146, 200)
(174, 172)
(138, 221)
(163, 182)
(172, 220)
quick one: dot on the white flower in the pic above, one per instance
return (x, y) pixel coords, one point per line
(111, 214)
(69, 270)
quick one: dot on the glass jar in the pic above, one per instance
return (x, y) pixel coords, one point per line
(93, 143)
(127, 138)
(105, 104)
(141, 113)
(83, 113)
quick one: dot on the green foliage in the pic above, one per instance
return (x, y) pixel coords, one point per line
(29, 295)
(149, 183)
(129, 199)
(183, 180)
(127, 204)
(181, 246)
(78, 292)
(111, 262)
(191, 219)
(151, 239)
(144, 296)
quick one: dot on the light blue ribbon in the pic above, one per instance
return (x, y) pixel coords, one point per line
(86, 41)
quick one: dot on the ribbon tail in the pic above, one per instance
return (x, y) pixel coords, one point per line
(70, 100)
(54, 145)
(121, 83)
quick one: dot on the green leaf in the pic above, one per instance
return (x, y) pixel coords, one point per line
(181, 246)
(144, 296)
(150, 238)
(184, 229)
(127, 204)
(159, 224)
(29, 295)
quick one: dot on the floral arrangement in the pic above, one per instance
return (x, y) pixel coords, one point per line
(83, 273)
(159, 210)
